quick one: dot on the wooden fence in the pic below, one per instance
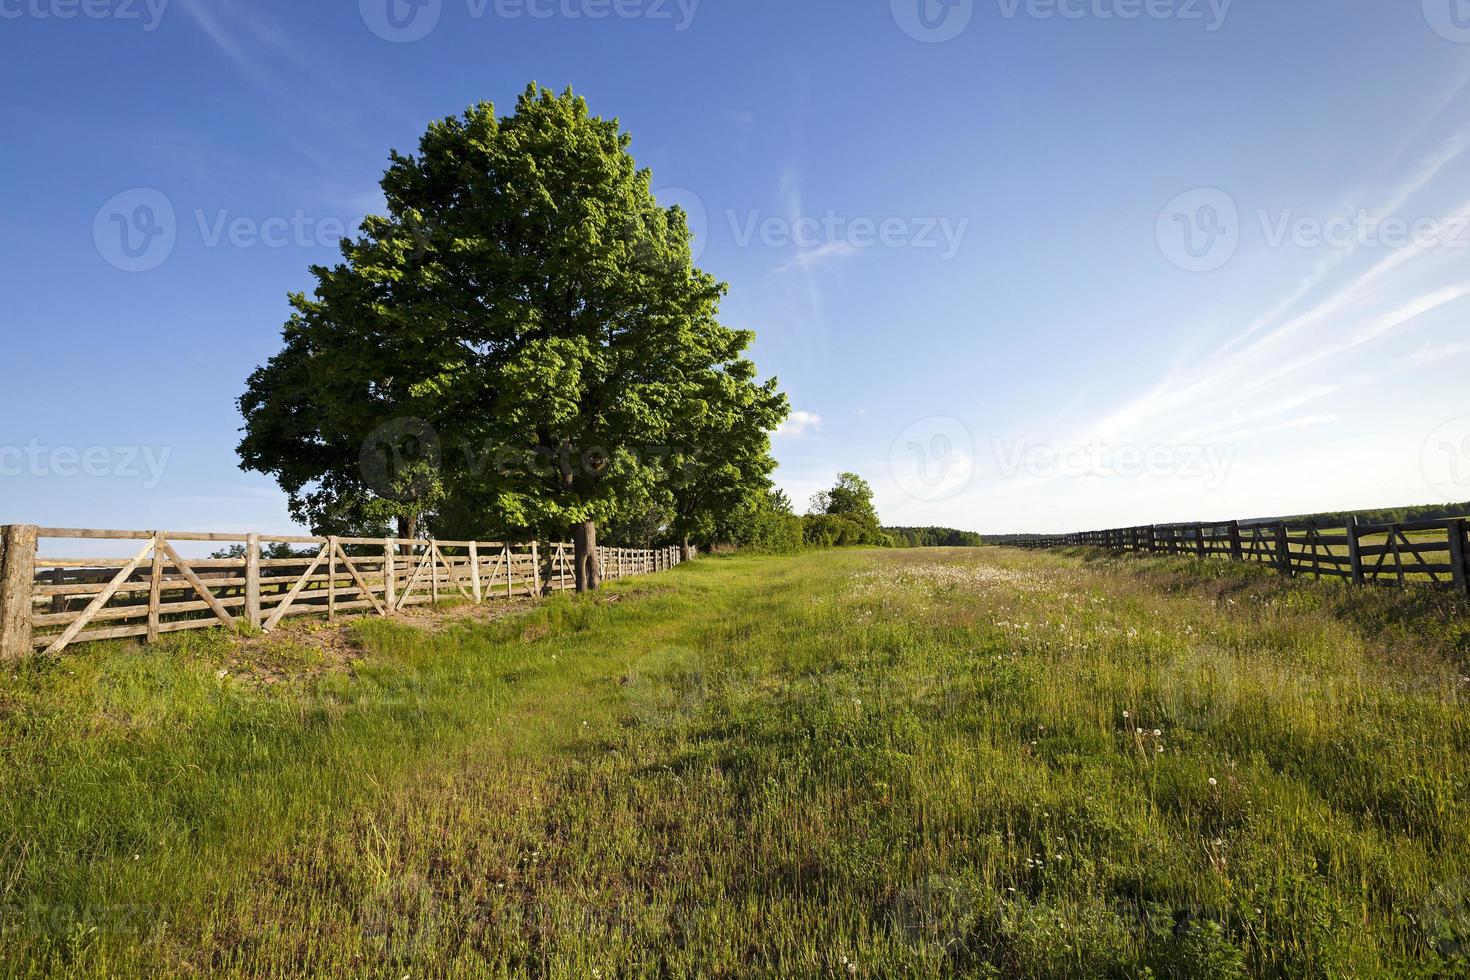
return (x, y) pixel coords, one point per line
(1430, 553)
(48, 603)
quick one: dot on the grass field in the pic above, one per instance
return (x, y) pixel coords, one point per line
(872, 764)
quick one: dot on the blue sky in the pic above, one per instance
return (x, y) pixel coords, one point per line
(1025, 264)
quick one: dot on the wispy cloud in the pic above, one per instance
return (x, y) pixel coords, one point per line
(1435, 353)
(813, 258)
(799, 424)
(268, 54)
(1310, 346)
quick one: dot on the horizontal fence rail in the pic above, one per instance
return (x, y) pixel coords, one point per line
(1427, 553)
(147, 588)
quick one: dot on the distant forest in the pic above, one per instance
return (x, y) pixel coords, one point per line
(1395, 515)
(934, 537)
(1384, 515)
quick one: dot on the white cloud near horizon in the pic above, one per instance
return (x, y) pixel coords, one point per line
(799, 424)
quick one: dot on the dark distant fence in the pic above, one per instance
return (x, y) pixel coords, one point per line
(1430, 553)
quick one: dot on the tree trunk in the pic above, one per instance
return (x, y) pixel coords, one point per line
(686, 553)
(408, 528)
(584, 557)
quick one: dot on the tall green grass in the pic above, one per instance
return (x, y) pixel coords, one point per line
(846, 764)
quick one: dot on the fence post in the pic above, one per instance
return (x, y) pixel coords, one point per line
(252, 580)
(1355, 554)
(155, 587)
(1237, 549)
(331, 577)
(475, 567)
(1458, 556)
(17, 578)
(1283, 549)
(390, 575)
(1199, 541)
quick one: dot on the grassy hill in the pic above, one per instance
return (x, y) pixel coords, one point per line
(898, 763)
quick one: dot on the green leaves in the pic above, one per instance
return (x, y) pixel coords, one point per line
(527, 298)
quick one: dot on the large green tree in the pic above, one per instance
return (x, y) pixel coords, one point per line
(519, 339)
(723, 455)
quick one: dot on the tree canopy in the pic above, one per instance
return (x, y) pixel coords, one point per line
(522, 343)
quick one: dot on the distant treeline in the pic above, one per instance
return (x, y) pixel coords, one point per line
(1392, 515)
(1383, 515)
(934, 537)
(842, 517)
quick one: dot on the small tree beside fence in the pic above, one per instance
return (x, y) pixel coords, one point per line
(48, 603)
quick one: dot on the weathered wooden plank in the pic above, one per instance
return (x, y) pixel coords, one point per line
(252, 581)
(280, 610)
(98, 601)
(204, 592)
(155, 588)
(17, 577)
(1459, 568)
(362, 586)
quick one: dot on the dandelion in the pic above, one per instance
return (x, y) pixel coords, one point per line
(1158, 733)
(1213, 782)
(221, 674)
(1126, 716)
